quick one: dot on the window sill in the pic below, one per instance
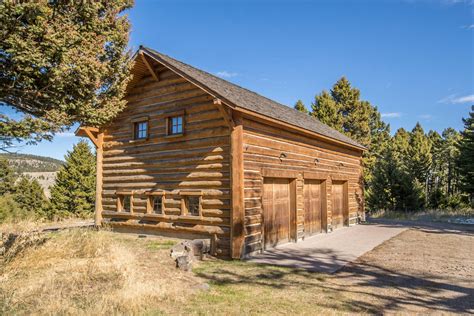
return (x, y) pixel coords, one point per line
(174, 135)
(132, 141)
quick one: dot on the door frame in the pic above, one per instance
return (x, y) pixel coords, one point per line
(323, 177)
(292, 177)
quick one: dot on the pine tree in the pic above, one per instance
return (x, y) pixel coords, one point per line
(61, 62)
(419, 152)
(7, 177)
(301, 107)
(465, 162)
(450, 153)
(30, 196)
(326, 110)
(73, 194)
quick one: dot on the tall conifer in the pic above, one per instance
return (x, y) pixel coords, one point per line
(74, 191)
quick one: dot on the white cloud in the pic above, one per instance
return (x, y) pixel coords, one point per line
(226, 74)
(454, 99)
(469, 27)
(391, 114)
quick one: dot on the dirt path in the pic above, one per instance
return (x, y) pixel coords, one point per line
(421, 270)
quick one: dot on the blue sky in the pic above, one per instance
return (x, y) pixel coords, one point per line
(413, 59)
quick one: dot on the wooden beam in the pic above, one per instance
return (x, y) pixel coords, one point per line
(99, 181)
(147, 64)
(92, 137)
(237, 188)
(224, 111)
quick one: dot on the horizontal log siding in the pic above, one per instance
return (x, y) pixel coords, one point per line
(263, 145)
(197, 160)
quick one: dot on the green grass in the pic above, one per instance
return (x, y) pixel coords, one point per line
(160, 244)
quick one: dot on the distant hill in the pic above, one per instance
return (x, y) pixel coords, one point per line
(22, 163)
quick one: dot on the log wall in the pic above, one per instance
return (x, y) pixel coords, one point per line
(199, 160)
(263, 145)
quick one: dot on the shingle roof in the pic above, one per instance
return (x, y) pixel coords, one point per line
(250, 100)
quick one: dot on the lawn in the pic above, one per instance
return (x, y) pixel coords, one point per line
(85, 271)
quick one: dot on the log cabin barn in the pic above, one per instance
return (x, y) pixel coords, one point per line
(195, 156)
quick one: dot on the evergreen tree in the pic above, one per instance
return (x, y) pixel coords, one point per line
(61, 62)
(419, 152)
(7, 177)
(30, 196)
(301, 107)
(465, 162)
(73, 194)
(450, 154)
(326, 110)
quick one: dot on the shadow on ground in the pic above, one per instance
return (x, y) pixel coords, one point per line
(362, 286)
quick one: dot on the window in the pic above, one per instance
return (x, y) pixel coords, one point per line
(158, 204)
(193, 205)
(141, 130)
(124, 202)
(155, 202)
(175, 125)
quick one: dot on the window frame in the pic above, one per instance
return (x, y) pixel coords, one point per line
(121, 201)
(169, 122)
(185, 195)
(135, 131)
(150, 202)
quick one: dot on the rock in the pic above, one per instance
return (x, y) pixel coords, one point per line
(183, 255)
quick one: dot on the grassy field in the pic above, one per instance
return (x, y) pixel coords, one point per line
(90, 272)
(444, 215)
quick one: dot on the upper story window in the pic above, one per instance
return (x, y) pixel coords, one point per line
(140, 130)
(175, 125)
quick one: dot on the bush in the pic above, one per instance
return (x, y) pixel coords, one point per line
(10, 210)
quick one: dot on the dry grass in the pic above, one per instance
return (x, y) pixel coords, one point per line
(444, 215)
(84, 272)
(89, 272)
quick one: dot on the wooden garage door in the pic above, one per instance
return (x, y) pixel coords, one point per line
(312, 207)
(337, 204)
(276, 211)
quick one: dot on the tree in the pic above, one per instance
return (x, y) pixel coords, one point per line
(465, 161)
(73, 194)
(61, 62)
(7, 177)
(326, 110)
(30, 196)
(419, 154)
(301, 107)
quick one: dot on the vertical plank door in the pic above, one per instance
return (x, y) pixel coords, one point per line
(276, 211)
(337, 204)
(312, 207)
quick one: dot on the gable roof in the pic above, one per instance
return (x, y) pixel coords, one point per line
(250, 100)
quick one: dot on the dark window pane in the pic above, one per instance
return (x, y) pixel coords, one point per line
(157, 204)
(126, 203)
(193, 205)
